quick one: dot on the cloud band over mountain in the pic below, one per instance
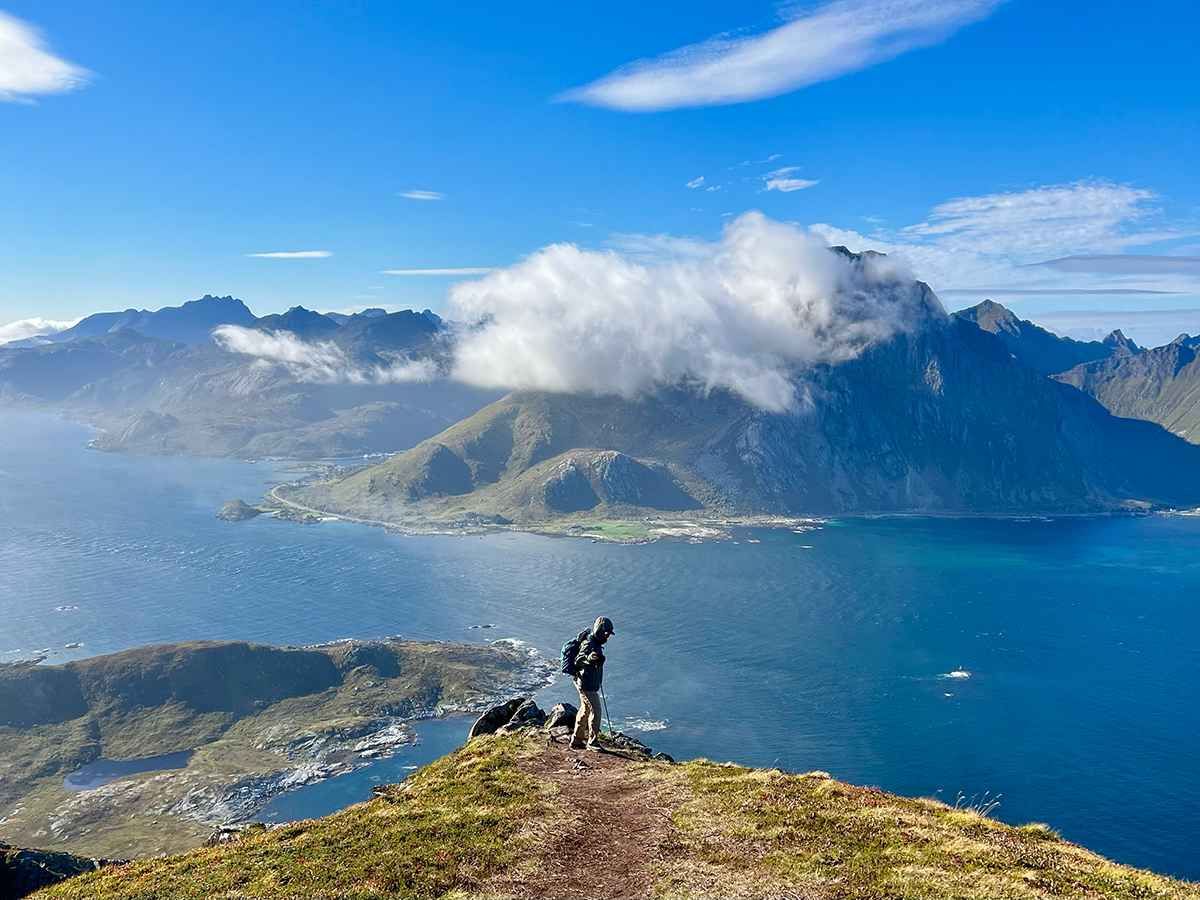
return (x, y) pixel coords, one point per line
(740, 313)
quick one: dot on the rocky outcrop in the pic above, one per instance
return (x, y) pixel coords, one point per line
(494, 718)
(522, 713)
(562, 715)
(236, 510)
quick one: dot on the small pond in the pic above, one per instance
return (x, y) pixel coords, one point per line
(102, 771)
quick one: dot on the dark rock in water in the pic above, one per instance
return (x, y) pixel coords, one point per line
(563, 714)
(237, 510)
(528, 714)
(496, 717)
(24, 871)
(663, 757)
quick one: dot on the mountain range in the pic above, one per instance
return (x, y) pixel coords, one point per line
(979, 410)
(158, 394)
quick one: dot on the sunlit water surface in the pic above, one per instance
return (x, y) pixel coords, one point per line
(827, 650)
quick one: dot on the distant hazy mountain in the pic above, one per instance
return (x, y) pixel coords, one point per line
(939, 420)
(1161, 385)
(191, 323)
(1041, 349)
(161, 397)
(303, 323)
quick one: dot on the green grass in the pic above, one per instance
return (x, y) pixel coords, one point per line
(133, 817)
(809, 834)
(477, 819)
(458, 822)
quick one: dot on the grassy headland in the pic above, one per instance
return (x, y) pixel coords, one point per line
(260, 719)
(511, 816)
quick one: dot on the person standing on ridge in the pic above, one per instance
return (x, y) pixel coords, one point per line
(589, 675)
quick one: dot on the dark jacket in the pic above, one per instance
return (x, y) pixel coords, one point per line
(589, 674)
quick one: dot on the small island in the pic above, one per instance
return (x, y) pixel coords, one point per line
(237, 510)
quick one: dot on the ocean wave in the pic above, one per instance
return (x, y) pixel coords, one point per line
(637, 723)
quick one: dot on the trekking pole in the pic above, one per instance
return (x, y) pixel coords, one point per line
(605, 699)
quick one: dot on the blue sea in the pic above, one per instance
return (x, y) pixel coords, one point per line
(830, 650)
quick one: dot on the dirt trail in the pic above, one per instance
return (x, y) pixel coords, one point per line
(609, 847)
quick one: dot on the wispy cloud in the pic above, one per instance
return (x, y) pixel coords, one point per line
(471, 270)
(996, 241)
(294, 254)
(781, 180)
(28, 68)
(27, 328)
(1053, 292)
(696, 182)
(423, 195)
(318, 361)
(1129, 263)
(814, 45)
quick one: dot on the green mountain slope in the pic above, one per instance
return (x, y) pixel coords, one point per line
(940, 420)
(512, 816)
(1160, 385)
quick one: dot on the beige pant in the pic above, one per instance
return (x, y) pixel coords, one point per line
(587, 723)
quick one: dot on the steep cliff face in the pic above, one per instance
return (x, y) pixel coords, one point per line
(1160, 385)
(943, 419)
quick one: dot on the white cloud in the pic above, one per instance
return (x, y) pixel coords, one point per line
(696, 182)
(816, 45)
(476, 270)
(992, 241)
(787, 185)
(318, 361)
(27, 328)
(423, 195)
(1127, 263)
(741, 313)
(781, 180)
(27, 67)
(294, 254)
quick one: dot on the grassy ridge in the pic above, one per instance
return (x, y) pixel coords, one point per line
(485, 817)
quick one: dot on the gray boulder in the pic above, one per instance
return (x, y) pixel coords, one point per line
(526, 715)
(497, 717)
(562, 715)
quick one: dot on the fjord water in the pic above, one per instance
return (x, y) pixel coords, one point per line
(825, 650)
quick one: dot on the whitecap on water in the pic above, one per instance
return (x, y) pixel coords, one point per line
(637, 723)
(957, 673)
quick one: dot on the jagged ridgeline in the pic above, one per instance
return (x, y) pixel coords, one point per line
(941, 415)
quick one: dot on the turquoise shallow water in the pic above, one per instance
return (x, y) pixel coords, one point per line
(1081, 637)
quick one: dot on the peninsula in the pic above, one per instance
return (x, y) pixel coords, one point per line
(257, 720)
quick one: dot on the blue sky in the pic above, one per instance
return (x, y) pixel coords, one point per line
(975, 139)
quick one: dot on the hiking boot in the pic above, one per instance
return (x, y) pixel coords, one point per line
(576, 746)
(594, 747)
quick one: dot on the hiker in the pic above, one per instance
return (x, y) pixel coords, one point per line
(589, 674)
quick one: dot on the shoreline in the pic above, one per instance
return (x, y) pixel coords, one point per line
(693, 529)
